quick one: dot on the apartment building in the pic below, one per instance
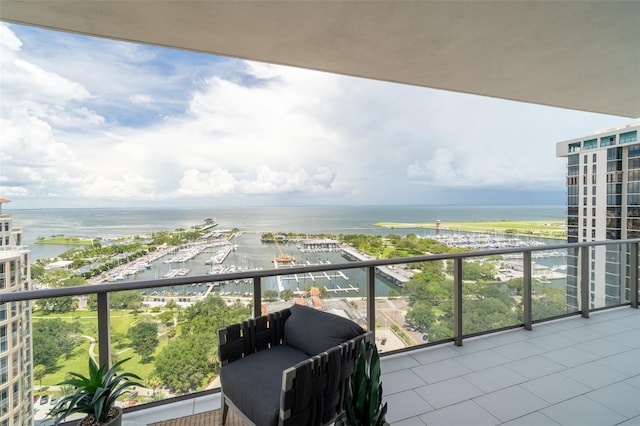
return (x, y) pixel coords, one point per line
(603, 203)
(16, 379)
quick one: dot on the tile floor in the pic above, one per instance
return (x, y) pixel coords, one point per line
(573, 371)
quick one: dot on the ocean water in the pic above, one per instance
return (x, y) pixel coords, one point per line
(253, 221)
(327, 219)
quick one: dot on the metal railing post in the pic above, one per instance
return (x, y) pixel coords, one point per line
(371, 299)
(104, 330)
(457, 301)
(257, 297)
(584, 281)
(526, 290)
(633, 273)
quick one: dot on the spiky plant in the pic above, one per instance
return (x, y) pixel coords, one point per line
(94, 395)
(364, 396)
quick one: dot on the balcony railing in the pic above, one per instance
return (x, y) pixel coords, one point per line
(580, 253)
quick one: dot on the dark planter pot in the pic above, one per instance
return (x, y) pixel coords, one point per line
(115, 421)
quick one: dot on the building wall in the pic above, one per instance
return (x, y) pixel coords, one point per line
(16, 378)
(603, 203)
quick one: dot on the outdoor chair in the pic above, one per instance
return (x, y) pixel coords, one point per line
(290, 367)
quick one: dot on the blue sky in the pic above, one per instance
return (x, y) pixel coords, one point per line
(87, 122)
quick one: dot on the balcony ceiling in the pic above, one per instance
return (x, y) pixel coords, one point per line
(568, 54)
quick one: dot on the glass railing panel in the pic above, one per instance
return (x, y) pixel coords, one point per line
(613, 262)
(549, 272)
(423, 306)
(342, 292)
(572, 300)
(171, 335)
(491, 292)
(64, 333)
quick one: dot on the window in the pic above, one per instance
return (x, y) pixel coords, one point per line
(14, 333)
(4, 401)
(3, 338)
(585, 170)
(16, 394)
(628, 137)
(593, 190)
(593, 168)
(3, 311)
(593, 201)
(4, 369)
(586, 158)
(593, 211)
(594, 156)
(608, 140)
(574, 147)
(590, 144)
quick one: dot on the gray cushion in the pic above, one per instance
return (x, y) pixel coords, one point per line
(254, 383)
(314, 331)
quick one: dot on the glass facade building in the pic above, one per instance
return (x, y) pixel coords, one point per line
(603, 203)
(16, 378)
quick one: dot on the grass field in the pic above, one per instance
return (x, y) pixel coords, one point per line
(552, 228)
(66, 241)
(78, 360)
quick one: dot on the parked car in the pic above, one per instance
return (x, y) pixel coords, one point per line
(44, 400)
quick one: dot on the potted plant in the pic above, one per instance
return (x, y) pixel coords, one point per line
(95, 395)
(363, 402)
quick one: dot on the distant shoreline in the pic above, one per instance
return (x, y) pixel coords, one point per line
(551, 228)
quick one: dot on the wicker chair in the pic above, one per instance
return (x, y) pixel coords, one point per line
(290, 367)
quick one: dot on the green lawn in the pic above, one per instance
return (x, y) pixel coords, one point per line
(121, 322)
(65, 240)
(552, 228)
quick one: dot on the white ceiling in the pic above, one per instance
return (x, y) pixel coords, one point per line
(581, 55)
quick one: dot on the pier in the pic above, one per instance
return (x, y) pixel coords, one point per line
(330, 278)
(386, 272)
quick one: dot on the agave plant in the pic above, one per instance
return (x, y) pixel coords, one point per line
(364, 395)
(94, 395)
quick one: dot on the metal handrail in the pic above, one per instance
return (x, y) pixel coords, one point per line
(198, 279)
(102, 290)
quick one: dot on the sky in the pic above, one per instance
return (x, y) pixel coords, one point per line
(89, 122)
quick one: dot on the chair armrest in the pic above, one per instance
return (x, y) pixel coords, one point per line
(313, 391)
(255, 334)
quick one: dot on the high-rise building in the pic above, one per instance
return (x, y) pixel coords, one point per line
(16, 378)
(603, 203)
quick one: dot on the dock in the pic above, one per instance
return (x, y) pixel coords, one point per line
(386, 272)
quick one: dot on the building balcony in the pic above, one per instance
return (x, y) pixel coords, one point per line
(579, 365)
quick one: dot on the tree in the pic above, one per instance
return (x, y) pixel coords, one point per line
(286, 295)
(270, 295)
(421, 315)
(52, 339)
(125, 299)
(39, 371)
(171, 333)
(185, 363)
(144, 339)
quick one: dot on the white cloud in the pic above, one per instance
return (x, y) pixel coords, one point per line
(117, 121)
(8, 39)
